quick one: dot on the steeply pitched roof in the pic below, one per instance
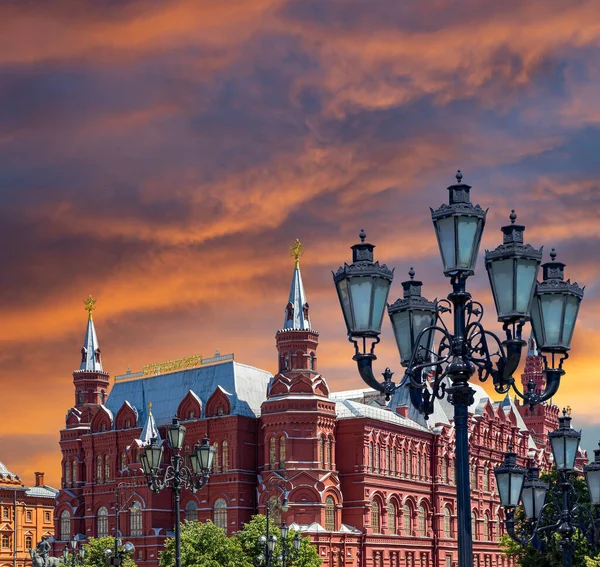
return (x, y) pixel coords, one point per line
(246, 384)
(90, 344)
(6, 474)
(297, 299)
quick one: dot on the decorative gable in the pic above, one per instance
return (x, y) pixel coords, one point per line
(127, 417)
(102, 421)
(218, 404)
(190, 407)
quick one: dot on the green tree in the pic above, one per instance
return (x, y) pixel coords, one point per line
(248, 537)
(205, 545)
(552, 556)
(95, 553)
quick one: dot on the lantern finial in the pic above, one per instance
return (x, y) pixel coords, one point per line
(553, 254)
(411, 273)
(512, 216)
(362, 235)
(459, 175)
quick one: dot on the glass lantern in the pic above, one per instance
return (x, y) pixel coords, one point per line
(512, 269)
(534, 494)
(203, 456)
(458, 227)
(509, 479)
(565, 443)
(592, 477)
(409, 317)
(151, 456)
(555, 307)
(176, 434)
(363, 288)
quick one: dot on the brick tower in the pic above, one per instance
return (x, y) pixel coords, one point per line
(298, 420)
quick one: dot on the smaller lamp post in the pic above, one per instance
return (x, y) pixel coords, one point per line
(177, 476)
(77, 554)
(563, 514)
(120, 553)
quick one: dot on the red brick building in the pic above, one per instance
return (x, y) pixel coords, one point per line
(371, 482)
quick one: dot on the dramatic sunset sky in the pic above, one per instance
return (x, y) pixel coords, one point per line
(163, 156)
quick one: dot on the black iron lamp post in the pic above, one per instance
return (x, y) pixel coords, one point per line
(433, 371)
(77, 554)
(120, 553)
(563, 515)
(177, 475)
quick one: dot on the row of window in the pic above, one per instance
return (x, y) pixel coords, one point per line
(6, 542)
(397, 462)
(277, 460)
(415, 559)
(7, 510)
(221, 457)
(393, 520)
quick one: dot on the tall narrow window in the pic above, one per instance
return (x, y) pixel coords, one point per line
(191, 511)
(135, 520)
(329, 514)
(444, 469)
(375, 517)
(327, 453)
(393, 469)
(407, 520)
(486, 479)
(220, 513)
(322, 451)
(102, 522)
(388, 465)
(106, 468)
(419, 470)
(371, 457)
(474, 525)
(282, 456)
(5, 541)
(123, 461)
(67, 473)
(421, 521)
(99, 469)
(225, 456)
(473, 476)
(486, 527)
(424, 466)
(65, 525)
(28, 542)
(216, 457)
(403, 465)
(74, 469)
(377, 455)
(272, 453)
(392, 518)
(409, 470)
(453, 470)
(330, 453)
(447, 523)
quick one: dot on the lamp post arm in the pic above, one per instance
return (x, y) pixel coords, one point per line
(532, 397)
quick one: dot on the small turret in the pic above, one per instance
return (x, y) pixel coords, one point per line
(296, 311)
(90, 353)
(150, 431)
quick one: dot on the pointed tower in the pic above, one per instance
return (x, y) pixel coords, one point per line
(298, 419)
(150, 431)
(544, 417)
(91, 382)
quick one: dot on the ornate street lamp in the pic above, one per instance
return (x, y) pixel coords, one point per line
(120, 553)
(77, 555)
(276, 486)
(445, 368)
(562, 514)
(177, 476)
(509, 479)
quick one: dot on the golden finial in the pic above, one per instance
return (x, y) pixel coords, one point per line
(90, 304)
(296, 251)
(150, 407)
(569, 411)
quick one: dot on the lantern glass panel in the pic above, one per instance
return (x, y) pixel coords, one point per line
(206, 455)
(154, 456)
(534, 498)
(526, 272)
(564, 449)
(401, 325)
(297, 542)
(536, 322)
(344, 296)
(502, 275)
(446, 239)
(552, 313)
(360, 292)
(380, 295)
(176, 434)
(593, 481)
(510, 484)
(421, 320)
(571, 309)
(283, 530)
(467, 234)
(516, 486)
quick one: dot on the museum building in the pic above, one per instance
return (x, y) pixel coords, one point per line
(371, 482)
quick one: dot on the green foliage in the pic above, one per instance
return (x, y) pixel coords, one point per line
(95, 556)
(552, 556)
(307, 556)
(205, 545)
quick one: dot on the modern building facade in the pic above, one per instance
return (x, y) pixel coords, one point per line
(371, 482)
(26, 514)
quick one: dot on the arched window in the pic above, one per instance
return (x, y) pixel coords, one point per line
(421, 522)
(220, 513)
(327, 453)
(322, 451)
(79, 397)
(215, 462)
(123, 461)
(453, 470)
(28, 542)
(102, 522)
(282, 455)
(409, 470)
(225, 456)
(74, 468)
(99, 469)
(486, 479)
(272, 453)
(375, 518)
(486, 527)
(329, 514)
(106, 468)
(392, 518)
(393, 469)
(474, 525)
(65, 525)
(404, 469)
(135, 520)
(67, 473)
(191, 511)
(370, 457)
(377, 455)
(473, 476)
(447, 523)
(407, 520)
(419, 469)
(388, 465)
(330, 452)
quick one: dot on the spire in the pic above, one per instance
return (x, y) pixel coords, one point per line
(296, 311)
(150, 430)
(90, 353)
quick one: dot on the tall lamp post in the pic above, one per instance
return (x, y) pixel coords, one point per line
(177, 475)
(563, 515)
(77, 554)
(433, 372)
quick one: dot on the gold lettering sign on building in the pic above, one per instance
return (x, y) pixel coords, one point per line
(172, 365)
